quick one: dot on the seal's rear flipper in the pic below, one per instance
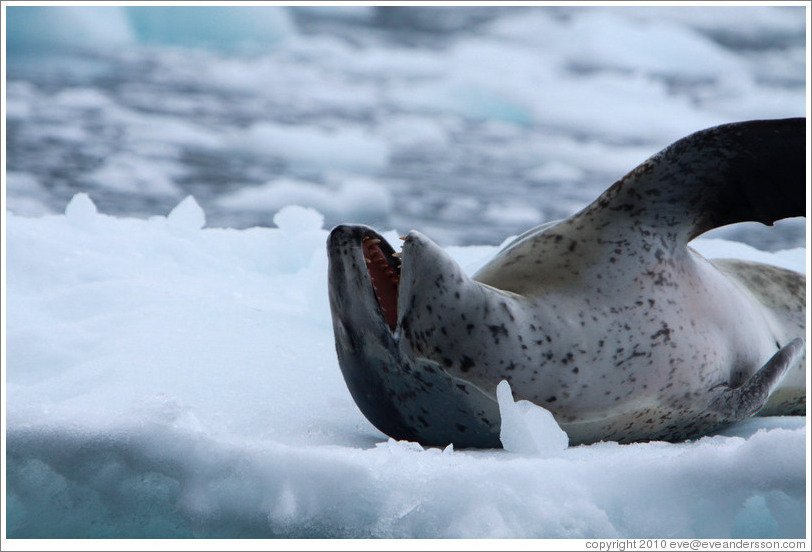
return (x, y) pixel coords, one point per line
(732, 405)
(738, 172)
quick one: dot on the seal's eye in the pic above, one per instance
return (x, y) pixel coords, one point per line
(384, 272)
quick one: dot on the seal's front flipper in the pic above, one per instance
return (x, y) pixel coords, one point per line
(733, 405)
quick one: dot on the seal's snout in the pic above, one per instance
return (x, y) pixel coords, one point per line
(365, 269)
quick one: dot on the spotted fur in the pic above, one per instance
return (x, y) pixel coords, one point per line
(607, 318)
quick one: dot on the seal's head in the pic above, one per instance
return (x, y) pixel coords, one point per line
(393, 345)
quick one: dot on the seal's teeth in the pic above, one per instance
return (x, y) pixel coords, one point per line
(374, 241)
(397, 255)
(369, 261)
(403, 238)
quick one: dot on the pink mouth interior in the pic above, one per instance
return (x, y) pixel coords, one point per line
(385, 280)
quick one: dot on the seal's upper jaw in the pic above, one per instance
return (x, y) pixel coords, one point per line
(436, 302)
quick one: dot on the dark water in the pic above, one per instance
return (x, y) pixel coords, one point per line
(489, 120)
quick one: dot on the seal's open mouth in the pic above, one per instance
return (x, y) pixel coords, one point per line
(383, 266)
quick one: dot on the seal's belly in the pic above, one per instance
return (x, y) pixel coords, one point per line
(612, 362)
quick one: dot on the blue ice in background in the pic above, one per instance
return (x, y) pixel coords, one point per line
(172, 175)
(50, 30)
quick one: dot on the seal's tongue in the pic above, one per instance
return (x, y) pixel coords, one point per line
(385, 276)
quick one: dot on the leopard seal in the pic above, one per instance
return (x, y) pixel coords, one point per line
(608, 319)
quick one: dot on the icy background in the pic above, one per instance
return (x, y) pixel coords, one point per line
(172, 373)
(468, 123)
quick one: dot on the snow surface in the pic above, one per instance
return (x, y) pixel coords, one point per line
(166, 379)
